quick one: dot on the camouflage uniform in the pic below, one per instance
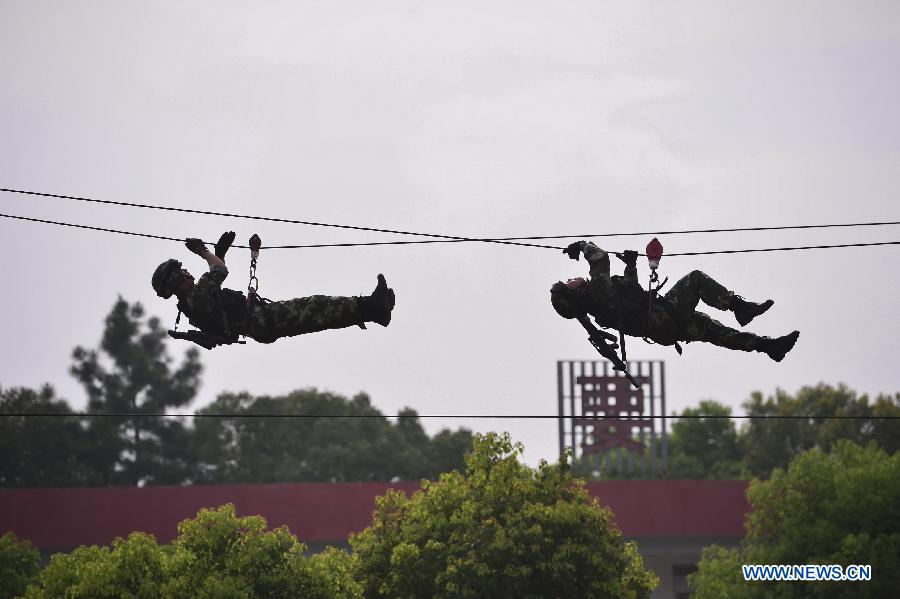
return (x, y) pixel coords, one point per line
(620, 303)
(302, 315)
(220, 311)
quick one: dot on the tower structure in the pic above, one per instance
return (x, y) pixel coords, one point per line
(608, 422)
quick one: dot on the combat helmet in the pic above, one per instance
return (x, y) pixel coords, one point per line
(565, 301)
(167, 278)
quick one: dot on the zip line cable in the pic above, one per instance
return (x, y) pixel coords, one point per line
(438, 238)
(432, 416)
(443, 238)
(270, 219)
(275, 247)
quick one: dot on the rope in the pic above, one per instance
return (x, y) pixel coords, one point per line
(269, 219)
(446, 238)
(276, 247)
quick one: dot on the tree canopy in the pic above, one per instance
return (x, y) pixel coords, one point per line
(781, 427)
(705, 447)
(136, 377)
(770, 443)
(500, 529)
(361, 445)
(19, 565)
(43, 451)
(839, 508)
(217, 555)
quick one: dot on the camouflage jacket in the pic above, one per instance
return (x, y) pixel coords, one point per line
(213, 309)
(616, 302)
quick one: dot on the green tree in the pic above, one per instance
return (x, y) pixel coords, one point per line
(772, 442)
(139, 379)
(19, 565)
(780, 428)
(431, 456)
(838, 508)
(217, 555)
(42, 451)
(616, 464)
(362, 446)
(884, 428)
(447, 451)
(501, 529)
(705, 447)
(718, 576)
(132, 567)
(698, 448)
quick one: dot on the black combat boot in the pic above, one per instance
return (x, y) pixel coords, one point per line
(779, 347)
(745, 311)
(377, 307)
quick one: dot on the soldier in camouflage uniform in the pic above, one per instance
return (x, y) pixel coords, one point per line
(227, 314)
(620, 303)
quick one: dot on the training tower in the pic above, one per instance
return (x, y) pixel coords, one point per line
(611, 426)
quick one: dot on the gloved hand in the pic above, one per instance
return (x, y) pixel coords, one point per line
(573, 250)
(224, 243)
(195, 245)
(629, 257)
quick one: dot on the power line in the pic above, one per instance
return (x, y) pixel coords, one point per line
(711, 252)
(234, 416)
(449, 238)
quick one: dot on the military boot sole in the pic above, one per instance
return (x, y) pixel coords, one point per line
(381, 303)
(782, 345)
(745, 315)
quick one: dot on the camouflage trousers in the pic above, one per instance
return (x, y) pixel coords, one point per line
(303, 315)
(675, 317)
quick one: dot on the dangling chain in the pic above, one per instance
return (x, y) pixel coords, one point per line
(652, 292)
(253, 285)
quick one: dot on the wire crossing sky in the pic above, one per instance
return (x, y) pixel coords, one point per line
(451, 239)
(448, 238)
(271, 219)
(232, 416)
(324, 245)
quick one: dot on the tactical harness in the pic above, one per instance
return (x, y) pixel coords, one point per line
(217, 324)
(606, 343)
(632, 293)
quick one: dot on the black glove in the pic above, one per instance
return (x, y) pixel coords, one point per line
(629, 257)
(224, 243)
(573, 250)
(195, 245)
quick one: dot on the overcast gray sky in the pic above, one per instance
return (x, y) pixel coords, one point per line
(462, 118)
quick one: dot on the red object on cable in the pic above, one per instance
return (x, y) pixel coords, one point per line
(654, 252)
(255, 244)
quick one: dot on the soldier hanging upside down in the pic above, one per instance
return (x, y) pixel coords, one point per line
(621, 303)
(226, 314)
